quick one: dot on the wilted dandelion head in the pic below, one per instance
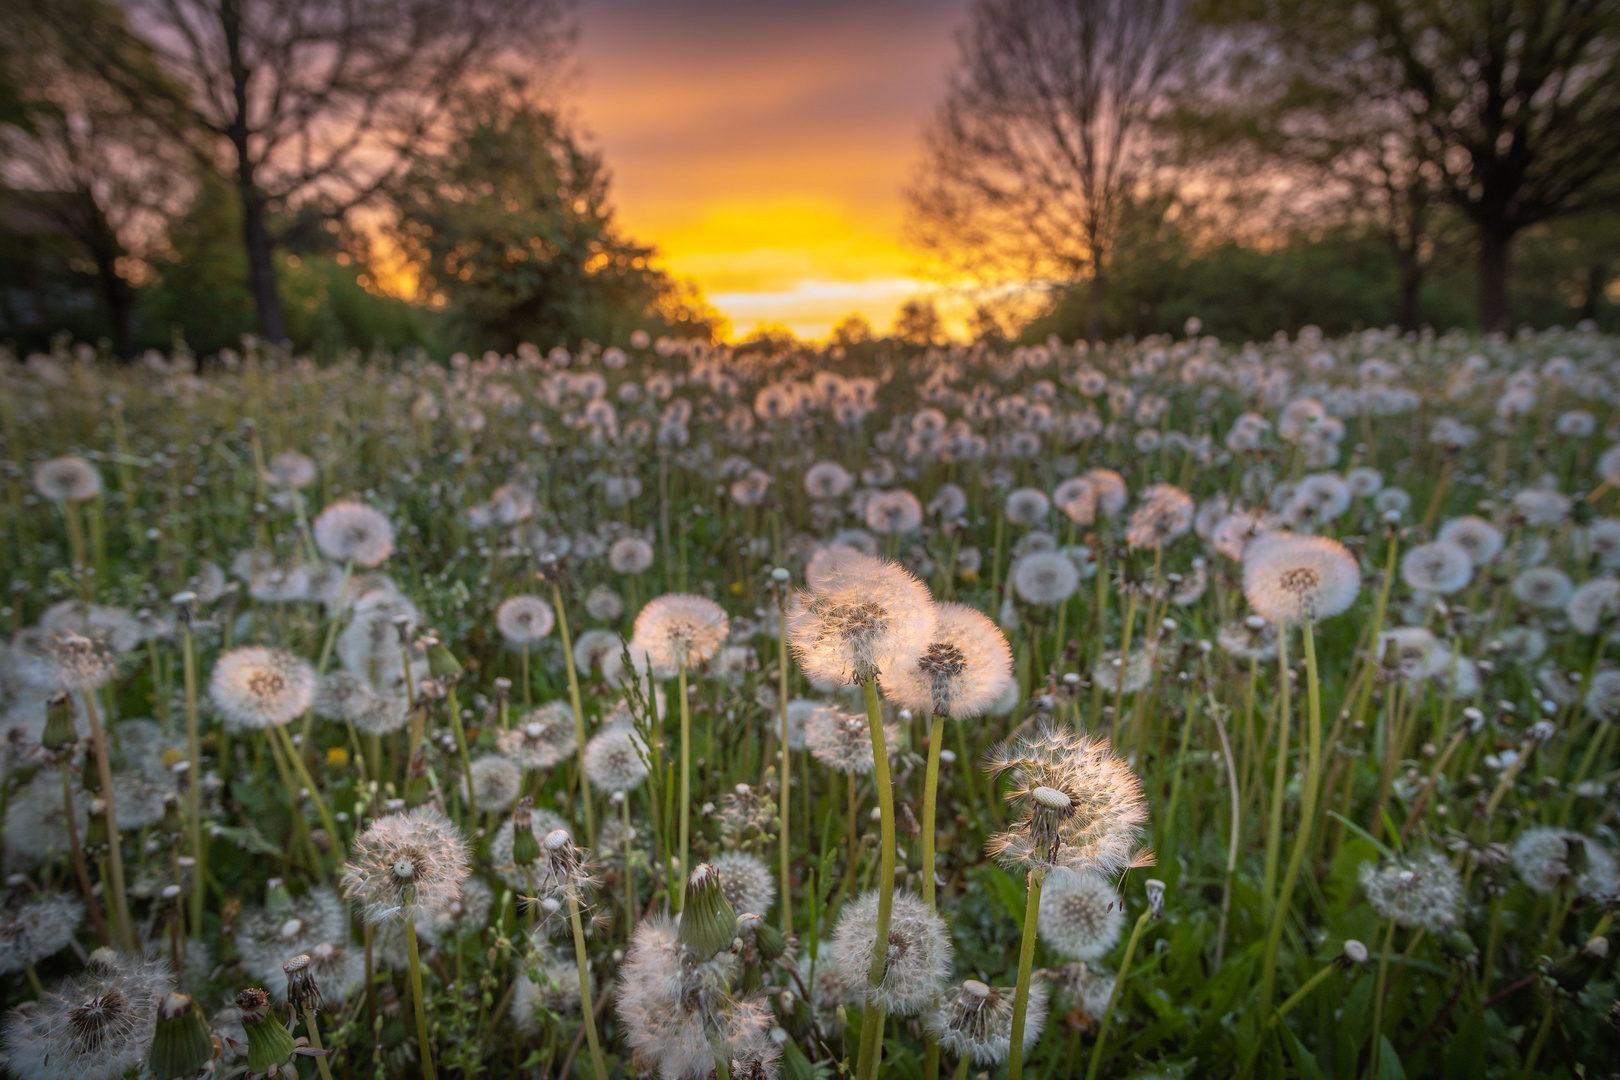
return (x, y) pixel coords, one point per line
(1165, 513)
(1438, 567)
(94, 1026)
(672, 1004)
(406, 866)
(269, 937)
(918, 952)
(974, 1021)
(1547, 858)
(1290, 579)
(615, 760)
(1424, 890)
(961, 672)
(80, 663)
(289, 471)
(346, 531)
(1081, 914)
(542, 737)
(859, 616)
(523, 620)
(1078, 805)
(679, 630)
(1045, 578)
(67, 479)
(747, 883)
(843, 741)
(1476, 536)
(256, 688)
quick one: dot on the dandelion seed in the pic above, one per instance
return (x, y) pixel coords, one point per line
(1080, 915)
(678, 630)
(1421, 891)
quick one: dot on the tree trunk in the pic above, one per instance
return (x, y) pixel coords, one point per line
(261, 268)
(1411, 285)
(1096, 295)
(1494, 241)
(1597, 276)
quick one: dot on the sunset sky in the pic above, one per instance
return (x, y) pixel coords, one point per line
(764, 146)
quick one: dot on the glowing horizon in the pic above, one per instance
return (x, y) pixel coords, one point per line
(764, 148)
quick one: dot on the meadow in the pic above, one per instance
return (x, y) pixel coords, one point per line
(1172, 708)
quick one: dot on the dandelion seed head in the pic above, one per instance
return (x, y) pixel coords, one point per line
(918, 956)
(962, 670)
(630, 555)
(859, 616)
(974, 1021)
(541, 738)
(94, 1026)
(496, 782)
(1164, 514)
(36, 928)
(747, 883)
(1546, 858)
(1479, 538)
(1421, 891)
(842, 741)
(67, 479)
(1045, 578)
(614, 760)
(1593, 604)
(1543, 587)
(679, 630)
(1081, 916)
(1290, 579)
(408, 865)
(256, 688)
(80, 663)
(352, 531)
(523, 620)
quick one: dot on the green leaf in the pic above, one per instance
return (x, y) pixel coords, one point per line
(1363, 833)
(1389, 1062)
(248, 839)
(1303, 1059)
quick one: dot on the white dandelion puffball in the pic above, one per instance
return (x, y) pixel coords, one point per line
(290, 471)
(859, 616)
(256, 688)
(894, 513)
(630, 555)
(974, 1021)
(962, 671)
(1290, 579)
(1045, 578)
(347, 531)
(919, 950)
(67, 479)
(1028, 507)
(827, 480)
(747, 883)
(407, 865)
(1424, 890)
(523, 620)
(615, 759)
(1440, 567)
(1546, 858)
(1478, 537)
(497, 781)
(1543, 587)
(1081, 916)
(679, 630)
(1593, 604)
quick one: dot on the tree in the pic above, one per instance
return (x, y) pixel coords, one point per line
(511, 230)
(304, 104)
(1515, 104)
(917, 323)
(1046, 133)
(81, 162)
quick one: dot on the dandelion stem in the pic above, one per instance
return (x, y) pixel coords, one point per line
(686, 782)
(188, 652)
(1307, 819)
(872, 1054)
(315, 1042)
(1119, 987)
(579, 727)
(80, 870)
(1026, 960)
(585, 1008)
(297, 760)
(424, 1045)
(1279, 782)
(1378, 998)
(936, 732)
(783, 832)
(119, 907)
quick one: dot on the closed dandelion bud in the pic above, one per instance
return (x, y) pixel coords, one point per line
(770, 941)
(1155, 897)
(1354, 952)
(172, 824)
(59, 731)
(707, 922)
(525, 845)
(269, 1043)
(302, 990)
(90, 775)
(181, 1044)
(442, 663)
(95, 832)
(1574, 971)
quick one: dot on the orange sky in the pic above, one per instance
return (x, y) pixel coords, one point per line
(763, 147)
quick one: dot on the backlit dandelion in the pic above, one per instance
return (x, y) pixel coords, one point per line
(256, 688)
(679, 631)
(962, 670)
(860, 615)
(1291, 579)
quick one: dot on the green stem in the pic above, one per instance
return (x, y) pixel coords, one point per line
(1378, 998)
(686, 782)
(199, 851)
(115, 855)
(586, 1009)
(786, 773)
(1279, 783)
(1113, 999)
(1026, 960)
(936, 733)
(315, 1042)
(297, 761)
(579, 724)
(872, 1051)
(418, 1005)
(1307, 821)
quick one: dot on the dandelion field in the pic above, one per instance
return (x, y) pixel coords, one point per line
(1171, 708)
